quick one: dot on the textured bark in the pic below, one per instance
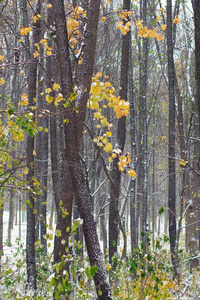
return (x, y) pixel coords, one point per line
(30, 238)
(133, 205)
(171, 147)
(185, 187)
(121, 133)
(197, 53)
(11, 217)
(74, 180)
(144, 67)
(63, 171)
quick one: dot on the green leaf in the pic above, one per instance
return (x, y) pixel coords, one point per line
(9, 271)
(93, 270)
(87, 272)
(58, 233)
(161, 210)
(149, 257)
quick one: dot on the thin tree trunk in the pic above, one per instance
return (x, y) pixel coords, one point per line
(30, 238)
(133, 205)
(121, 133)
(171, 149)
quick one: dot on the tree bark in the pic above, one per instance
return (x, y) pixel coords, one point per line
(121, 133)
(171, 147)
(74, 182)
(30, 238)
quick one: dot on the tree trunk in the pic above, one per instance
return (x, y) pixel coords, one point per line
(74, 180)
(171, 149)
(133, 204)
(30, 238)
(121, 133)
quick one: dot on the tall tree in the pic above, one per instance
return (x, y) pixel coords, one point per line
(75, 114)
(171, 149)
(121, 134)
(32, 77)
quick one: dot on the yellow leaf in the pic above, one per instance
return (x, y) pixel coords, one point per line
(56, 87)
(35, 54)
(108, 266)
(163, 27)
(109, 133)
(132, 173)
(107, 84)
(48, 90)
(108, 147)
(43, 41)
(49, 99)
(114, 155)
(158, 18)
(49, 5)
(120, 166)
(176, 20)
(159, 37)
(25, 171)
(182, 163)
(2, 81)
(34, 153)
(25, 31)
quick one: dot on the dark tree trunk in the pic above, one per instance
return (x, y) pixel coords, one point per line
(144, 67)
(121, 133)
(197, 53)
(30, 238)
(171, 149)
(74, 180)
(133, 204)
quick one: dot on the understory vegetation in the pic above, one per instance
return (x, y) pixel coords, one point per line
(147, 274)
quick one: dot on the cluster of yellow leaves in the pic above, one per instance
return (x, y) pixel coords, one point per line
(183, 163)
(124, 163)
(103, 94)
(176, 20)
(73, 24)
(103, 141)
(17, 133)
(144, 32)
(25, 31)
(125, 24)
(2, 81)
(24, 100)
(124, 27)
(35, 18)
(47, 49)
(103, 91)
(49, 98)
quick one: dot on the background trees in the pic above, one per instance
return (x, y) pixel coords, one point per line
(65, 69)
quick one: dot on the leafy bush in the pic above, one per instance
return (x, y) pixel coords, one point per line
(147, 274)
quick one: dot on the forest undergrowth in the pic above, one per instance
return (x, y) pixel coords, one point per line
(147, 274)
